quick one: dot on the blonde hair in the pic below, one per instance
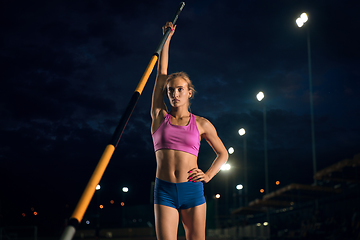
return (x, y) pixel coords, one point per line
(184, 76)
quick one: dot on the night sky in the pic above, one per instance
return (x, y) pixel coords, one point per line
(69, 69)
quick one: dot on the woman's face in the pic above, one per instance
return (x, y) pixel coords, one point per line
(178, 92)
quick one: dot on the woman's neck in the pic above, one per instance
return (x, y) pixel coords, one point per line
(179, 112)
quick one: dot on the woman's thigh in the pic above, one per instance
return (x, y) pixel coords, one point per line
(166, 222)
(194, 221)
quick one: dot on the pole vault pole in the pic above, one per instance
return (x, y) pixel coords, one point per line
(89, 191)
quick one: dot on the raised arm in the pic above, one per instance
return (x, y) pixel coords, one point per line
(158, 105)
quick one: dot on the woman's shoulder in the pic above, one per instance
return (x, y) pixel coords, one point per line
(205, 127)
(199, 118)
(203, 122)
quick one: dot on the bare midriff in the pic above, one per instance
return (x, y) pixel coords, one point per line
(174, 166)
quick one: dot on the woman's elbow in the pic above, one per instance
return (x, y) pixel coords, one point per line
(224, 156)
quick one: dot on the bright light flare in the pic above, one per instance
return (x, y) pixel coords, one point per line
(262, 190)
(217, 196)
(231, 150)
(242, 131)
(260, 96)
(125, 189)
(98, 187)
(299, 22)
(302, 19)
(225, 167)
(239, 186)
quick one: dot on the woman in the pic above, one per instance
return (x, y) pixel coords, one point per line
(176, 136)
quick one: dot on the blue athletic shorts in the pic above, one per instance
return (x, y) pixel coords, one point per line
(182, 195)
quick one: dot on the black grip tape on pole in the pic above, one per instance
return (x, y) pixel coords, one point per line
(167, 32)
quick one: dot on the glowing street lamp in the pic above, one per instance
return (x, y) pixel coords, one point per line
(239, 187)
(260, 96)
(217, 196)
(98, 187)
(302, 19)
(225, 167)
(242, 131)
(300, 22)
(124, 191)
(242, 134)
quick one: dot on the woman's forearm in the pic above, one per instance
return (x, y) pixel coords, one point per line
(164, 54)
(220, 160)
(164, 58)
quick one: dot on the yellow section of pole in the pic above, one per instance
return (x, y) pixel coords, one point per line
(146, 75)
(93, 182)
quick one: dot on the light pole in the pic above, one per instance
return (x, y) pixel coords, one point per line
(300, 22)
(217, 222)
(242, 134)
(239, 187)
(260, 96)
(97, 230)
(231, 150)
(226, 167)
(124, 191)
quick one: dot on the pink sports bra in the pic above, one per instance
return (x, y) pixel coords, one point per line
(182, 138)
